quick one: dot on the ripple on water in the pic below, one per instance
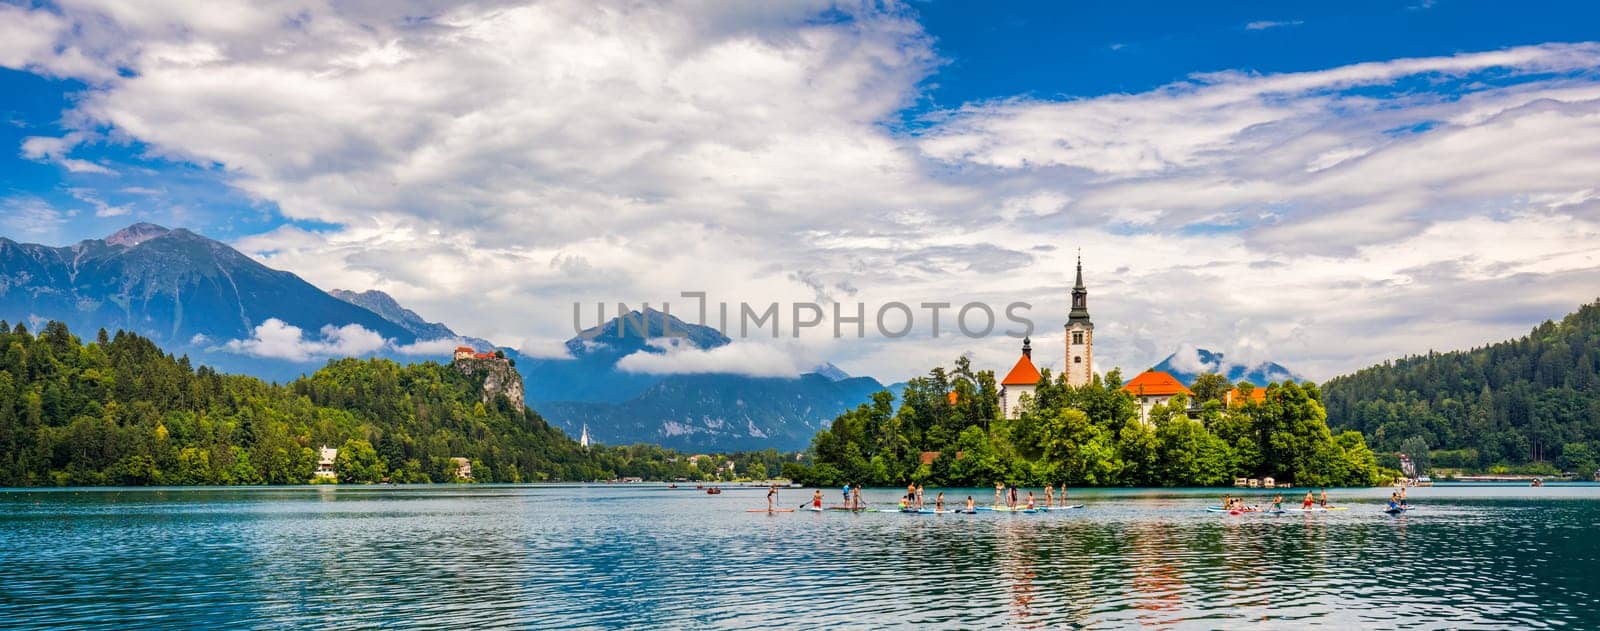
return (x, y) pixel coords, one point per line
(628, 557)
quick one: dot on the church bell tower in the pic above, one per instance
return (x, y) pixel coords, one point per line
(1080, 335)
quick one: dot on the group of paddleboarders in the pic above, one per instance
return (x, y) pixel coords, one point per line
(1008, 497)
(1237, 503)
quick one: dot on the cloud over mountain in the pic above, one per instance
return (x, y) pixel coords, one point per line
(490, 163)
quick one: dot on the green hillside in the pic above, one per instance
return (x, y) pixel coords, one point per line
(119, 411)
(1529, 404)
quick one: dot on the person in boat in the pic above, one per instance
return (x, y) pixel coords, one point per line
(1049, 496)
(1324, 498)
(938, 502)
(1030, 501)
(1308, 501)
(772, 497)
(971, 506)
(816, 500)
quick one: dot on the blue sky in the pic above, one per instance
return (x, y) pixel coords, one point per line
(1359, 163)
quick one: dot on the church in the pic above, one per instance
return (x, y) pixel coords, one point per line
(1149, 388)
(1079, 364)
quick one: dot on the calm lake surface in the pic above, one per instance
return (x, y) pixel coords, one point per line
(1491, 557)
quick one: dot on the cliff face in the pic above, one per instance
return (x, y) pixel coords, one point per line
(498, 378)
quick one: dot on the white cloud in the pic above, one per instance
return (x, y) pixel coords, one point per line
(1187, 359)
(279, 340)
(488, 165)
(52, 149)
(742, 358)
(31, 218)
(435, 347)
(1262, 25)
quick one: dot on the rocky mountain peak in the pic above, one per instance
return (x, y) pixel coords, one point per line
(135, 234)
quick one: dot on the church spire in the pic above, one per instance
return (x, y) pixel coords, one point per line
(1079, 284)
(1080, 296)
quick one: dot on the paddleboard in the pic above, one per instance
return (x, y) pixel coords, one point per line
(1316, 509)
(928, 511)
(1397, 511)
(763, 510)
(1070, 507)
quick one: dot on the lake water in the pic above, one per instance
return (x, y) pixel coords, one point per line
(1492, 557)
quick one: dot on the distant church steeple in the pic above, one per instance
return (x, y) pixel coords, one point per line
(1080, 334)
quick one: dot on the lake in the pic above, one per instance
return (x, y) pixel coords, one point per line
(632, 556)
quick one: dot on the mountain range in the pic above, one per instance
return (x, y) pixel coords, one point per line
(1188, 362)
(199, 297)
(687, 411)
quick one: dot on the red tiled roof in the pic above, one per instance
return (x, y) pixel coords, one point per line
(1022, 374)
(1257, 395)
(465, 349)
(1152, 383)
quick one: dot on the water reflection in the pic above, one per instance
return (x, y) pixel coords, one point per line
(628, 557)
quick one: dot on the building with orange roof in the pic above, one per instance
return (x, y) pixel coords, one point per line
(1023, 379)
(1235, 397)
(1152, 388)
(464, 352)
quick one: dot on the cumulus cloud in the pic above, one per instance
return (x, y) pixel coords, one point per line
(490, 163)
(279, 340)
(740, 358)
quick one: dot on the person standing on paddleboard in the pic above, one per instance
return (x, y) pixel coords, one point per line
(971, 506)
(1049, 496)
(919, 496)
(1308, 501)
(772, 497)
(938, 504)
(816, 500)
(997, 488)
(846, 499)
(1324, 498)
(1277, 503)
(855, 496)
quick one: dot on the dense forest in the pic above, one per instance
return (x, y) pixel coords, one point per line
(119, 411)
(1530, 404)
(1085, 436)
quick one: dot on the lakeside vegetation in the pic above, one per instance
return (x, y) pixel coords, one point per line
(1529, 405)
(119, 411)
(1085, 436)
